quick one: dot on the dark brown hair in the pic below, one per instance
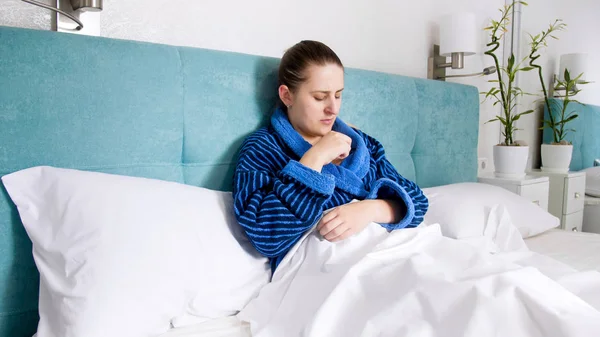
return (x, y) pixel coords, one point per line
(299, 57)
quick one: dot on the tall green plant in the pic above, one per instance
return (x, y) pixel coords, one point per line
(505, 92)
(537, 43)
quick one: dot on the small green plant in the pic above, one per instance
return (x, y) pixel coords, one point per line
(505, 92)
(558, 123)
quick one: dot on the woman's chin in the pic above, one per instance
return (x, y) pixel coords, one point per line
(324, 129)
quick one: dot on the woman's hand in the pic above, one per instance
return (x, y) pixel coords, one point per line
(349, 219)
(330, 147)
(344, 221)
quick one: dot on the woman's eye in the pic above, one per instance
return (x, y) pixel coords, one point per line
(338, 96)
(319, 98)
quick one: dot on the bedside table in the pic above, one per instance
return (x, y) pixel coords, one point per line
(530, 187)
(567, 194)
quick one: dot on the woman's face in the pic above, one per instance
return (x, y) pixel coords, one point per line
(316, 102)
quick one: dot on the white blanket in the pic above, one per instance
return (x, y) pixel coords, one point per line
(415, 282)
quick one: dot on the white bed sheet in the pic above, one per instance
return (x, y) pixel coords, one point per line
(222, 327)
(576, 249)
(415, 282)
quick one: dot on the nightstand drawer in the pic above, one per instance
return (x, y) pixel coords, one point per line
(574, 194)
(537, 193)
(573, 221)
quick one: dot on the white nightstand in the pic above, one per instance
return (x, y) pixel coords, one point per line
(533, 188)
(567, 194)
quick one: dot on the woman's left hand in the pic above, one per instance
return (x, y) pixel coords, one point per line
(345, 221)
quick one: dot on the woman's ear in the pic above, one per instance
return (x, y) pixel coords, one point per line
(286, 95)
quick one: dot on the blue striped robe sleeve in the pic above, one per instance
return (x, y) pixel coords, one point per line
(277, 202)
(389, 184)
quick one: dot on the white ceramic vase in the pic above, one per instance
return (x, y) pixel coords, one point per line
(556, 158)
(510, 162)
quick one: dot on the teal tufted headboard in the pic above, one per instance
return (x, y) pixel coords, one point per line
(585, 139)
(180, 114)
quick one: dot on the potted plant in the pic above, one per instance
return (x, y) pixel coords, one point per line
(510, 156)
(556, 156)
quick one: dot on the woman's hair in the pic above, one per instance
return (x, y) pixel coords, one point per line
(292, 68)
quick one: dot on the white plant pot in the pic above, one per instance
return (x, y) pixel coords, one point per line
(556, 158)
(510, 162)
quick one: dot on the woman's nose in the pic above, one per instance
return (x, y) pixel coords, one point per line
(332, 107)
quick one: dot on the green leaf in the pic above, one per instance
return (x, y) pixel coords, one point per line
(511, 61)
(518, 116)
(572, 113)
(568, 119)
(578, 77)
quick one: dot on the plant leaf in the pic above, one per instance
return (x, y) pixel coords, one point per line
(566, 120)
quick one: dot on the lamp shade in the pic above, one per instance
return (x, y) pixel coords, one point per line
(458, 34)
(575, 63)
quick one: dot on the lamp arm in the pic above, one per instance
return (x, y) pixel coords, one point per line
(40, 4)
(486, 71)
(464, 75)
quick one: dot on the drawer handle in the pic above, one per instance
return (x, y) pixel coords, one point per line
(537, 202)
(577, 195)
(575, 229)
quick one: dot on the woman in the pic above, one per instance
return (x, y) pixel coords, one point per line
(308, 160)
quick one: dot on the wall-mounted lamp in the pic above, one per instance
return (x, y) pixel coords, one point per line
(576, 64)
(458, 38)
(78, 5)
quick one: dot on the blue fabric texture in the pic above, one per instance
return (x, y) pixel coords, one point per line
(181, 114)
(276, 202)
(585, 138)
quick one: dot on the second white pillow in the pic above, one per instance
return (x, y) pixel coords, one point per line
(462, 210)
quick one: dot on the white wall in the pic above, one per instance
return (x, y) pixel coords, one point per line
(17, 13)
(383, 35)
(581, 36)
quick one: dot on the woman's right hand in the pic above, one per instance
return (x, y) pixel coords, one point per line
(332, 146)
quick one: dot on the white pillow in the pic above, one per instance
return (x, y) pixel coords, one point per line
(125, 256)
(592, 181)
(462, 210)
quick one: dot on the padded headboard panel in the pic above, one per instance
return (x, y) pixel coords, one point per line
(180, 114)
(585, 139)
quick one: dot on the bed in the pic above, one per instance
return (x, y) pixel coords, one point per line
(591, 214)
(104, 141)
(577, 249)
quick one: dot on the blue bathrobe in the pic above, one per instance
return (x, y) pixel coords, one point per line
(277, 199)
